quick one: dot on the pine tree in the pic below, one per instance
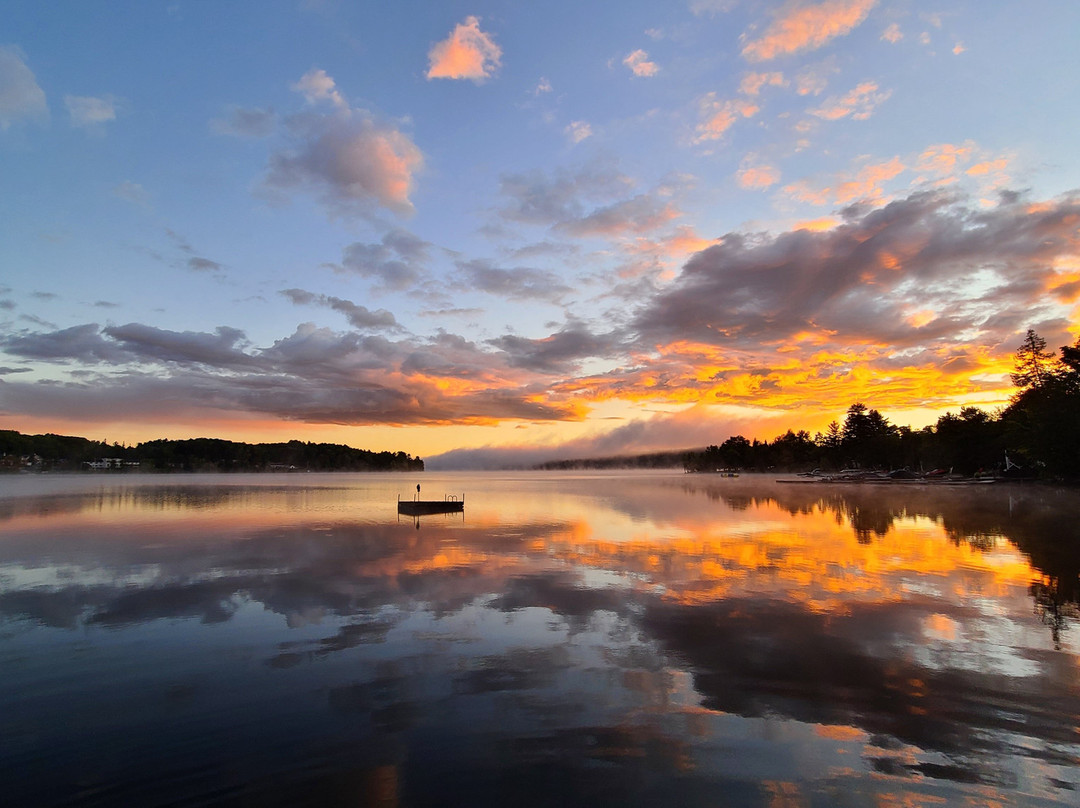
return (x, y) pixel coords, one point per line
(1032, 362)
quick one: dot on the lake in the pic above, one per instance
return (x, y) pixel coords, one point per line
(571, 639)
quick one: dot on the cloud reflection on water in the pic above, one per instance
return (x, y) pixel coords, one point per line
(563, 624)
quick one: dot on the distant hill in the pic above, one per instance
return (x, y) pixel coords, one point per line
(68, 453)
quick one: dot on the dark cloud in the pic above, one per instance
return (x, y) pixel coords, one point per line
(314, 375)
(398, 262)
(222, 349)
(856, 281)
(81, 342)
(642, 214)
(536, 199)
(560, 353)
(519, 283)
(349, 160)
(358, 316)
(203, 264)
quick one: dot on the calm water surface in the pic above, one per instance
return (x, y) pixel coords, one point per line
(589, 639)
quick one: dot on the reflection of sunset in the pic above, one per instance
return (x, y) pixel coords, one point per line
(703, 629)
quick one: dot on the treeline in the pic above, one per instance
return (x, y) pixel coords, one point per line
(68, 453)
(655, 460)
(1039, 432)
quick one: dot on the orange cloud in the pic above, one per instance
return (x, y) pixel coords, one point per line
(758, 177)
(865, 184)
(818, 225)
(468, 53)
(806, 27)
(944, 158)
(719, 116)
(639, 64)
(753, 82)
(988, 167)
(859, 103)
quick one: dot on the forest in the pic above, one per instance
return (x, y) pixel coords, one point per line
(67, 453)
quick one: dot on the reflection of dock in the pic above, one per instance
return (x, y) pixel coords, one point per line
(420, 507)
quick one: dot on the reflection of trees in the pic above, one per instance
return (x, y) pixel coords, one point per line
(1042, 522)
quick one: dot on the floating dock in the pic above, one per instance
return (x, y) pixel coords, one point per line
(420, 507)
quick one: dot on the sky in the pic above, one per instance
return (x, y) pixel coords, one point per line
(505, 232)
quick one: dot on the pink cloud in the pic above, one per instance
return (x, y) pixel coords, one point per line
(945, 158)
(758, 177)
(865, 184)
(752, 83)
(892, 34)
(859, 103)
(578, 131)
(719, 116)
(639, 63)
(351, 162)
(806, 27)
(468, 53)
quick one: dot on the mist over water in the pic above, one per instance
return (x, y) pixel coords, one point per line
(581, 638)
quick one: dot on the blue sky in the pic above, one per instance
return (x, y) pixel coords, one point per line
(525, 229)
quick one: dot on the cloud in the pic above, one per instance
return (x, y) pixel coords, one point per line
(578, 131)
(21, 99)
(519, 283)
(347, 158)
(757, 176)
(131, 192)
(802, 27)
(643, 213)
(536, 198)
(200, 264)
(639, 64)
(848, 284)
(752, 83)
(701, 8)
(82, 342)
(359, 317)
(89, 111)
(397, 262)
(542, 86)
(845, 187)
(316, 86)
(314, 375)
(246, 122)
(813, 80)
(859, 103)
(560, 353)
(468, 53)
(892, 34)
(718, 116)
(907, 304)
(944, 159)
(222, 349)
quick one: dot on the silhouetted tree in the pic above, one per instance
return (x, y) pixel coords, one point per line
(1032, 363)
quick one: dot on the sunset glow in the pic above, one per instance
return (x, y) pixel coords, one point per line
(544, 231)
